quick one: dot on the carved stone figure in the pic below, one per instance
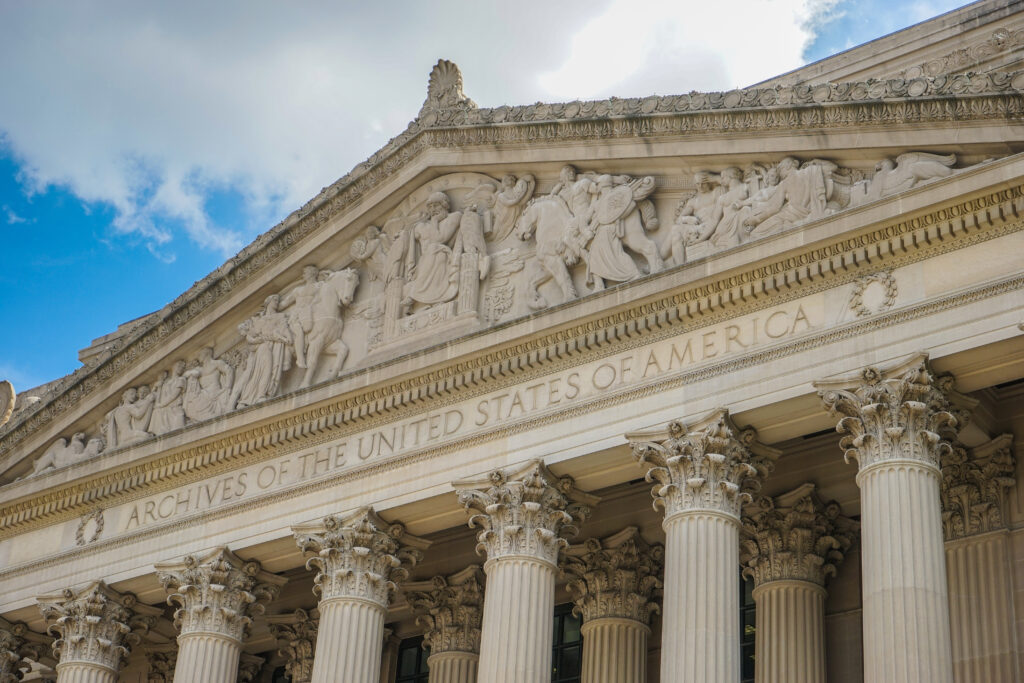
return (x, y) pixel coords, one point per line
(432, 268)
(7, 400)
(473, 226)
(300, 317)
(802, 194)
(558, 247)
(509, 203)
(335, 291)
(699, 214)
(616, 222)
(209, 387)
(270, 347)
(168, 409)
(908, 171)
(61, 454)
(123, 424)
(370, 250)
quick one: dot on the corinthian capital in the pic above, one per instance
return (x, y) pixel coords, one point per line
(974, 484)
(618, 576)
(96, 625)
(710, 466)
(218, 592)
(450, 610)
(525, 511)
(795, 537)
(359, 555)
(17, 644)
(904, 412)
(162, 660)
(296, 639)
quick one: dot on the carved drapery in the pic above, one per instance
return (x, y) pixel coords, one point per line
(615, 577)
(17, 644)
(296, 638)
(524, 511)
(95, 626)
(794, 537)
(450, 610)
(901, 413)
(217, 593)
(711, 466)
(359, 556)
(974, 485)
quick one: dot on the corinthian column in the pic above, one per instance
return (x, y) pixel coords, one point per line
(792, 543)
(97, 626)
(296, 638)
(524, 514)
(704, 474)
(895, 421)
(613, 583)
(978, 560)
(217, 596)
(450, 610)
(17, 644)
(360, 559)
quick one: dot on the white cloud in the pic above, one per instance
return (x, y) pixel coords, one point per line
(154, 108)
(12, 217)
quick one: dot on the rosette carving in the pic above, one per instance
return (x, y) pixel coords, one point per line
(296, 638)
(450, 610)
(96, 625)
(524, 511)
(17, 644)
(906, 412)
(618, 576)
(712, 465)
(974, 485)
(359, 556)
(795, 536)
(217, 593)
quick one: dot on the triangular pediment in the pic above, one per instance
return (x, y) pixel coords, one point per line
(474, 219)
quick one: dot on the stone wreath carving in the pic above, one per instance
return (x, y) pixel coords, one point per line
(468, 250)
(873, 294)
(81, 535)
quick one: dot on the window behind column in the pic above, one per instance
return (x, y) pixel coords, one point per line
(567, 648)
(747, 629)
(412, 661)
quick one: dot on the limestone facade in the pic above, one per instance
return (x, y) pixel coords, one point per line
(438, 401)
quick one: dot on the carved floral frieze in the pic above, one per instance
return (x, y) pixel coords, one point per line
(470, 250)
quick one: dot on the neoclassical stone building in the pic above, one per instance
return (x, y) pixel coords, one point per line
(412, 433)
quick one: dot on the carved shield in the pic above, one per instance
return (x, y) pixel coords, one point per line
(613, 204)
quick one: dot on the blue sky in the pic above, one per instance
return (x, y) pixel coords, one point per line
(141, 144)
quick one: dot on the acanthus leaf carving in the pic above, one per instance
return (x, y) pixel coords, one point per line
(974, 486)
(217, 592)
(96, 625)
(615, 577)
(19, 646)
(524, 511)
(359, 555)
(450, 610)
(710, 466)
(296, 637)
(795, 536)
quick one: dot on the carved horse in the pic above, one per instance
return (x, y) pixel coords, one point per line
(325, 334)
(559, 245)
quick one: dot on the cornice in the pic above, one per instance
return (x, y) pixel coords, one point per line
(955, 99)
(801, 272)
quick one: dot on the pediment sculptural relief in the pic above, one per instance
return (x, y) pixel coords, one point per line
(467, 250)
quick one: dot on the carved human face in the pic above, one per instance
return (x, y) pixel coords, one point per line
(787, 166)
(206, 355)
(130, 395)
(309, 274)
(567, 174)
(508, 181)
(179, 368)
(702, 181)
(270, 305)
(772, 177)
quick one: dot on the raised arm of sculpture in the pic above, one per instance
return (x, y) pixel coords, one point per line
(7, 398)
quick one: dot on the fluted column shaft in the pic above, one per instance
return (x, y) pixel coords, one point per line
(517, 626)
(905, 600)
(614, 649)
(981, 613)
(700, 626)
(85, 672)
(207, 657)
(524, 514)
(453, 667)
(790, 640)
(349, 641)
